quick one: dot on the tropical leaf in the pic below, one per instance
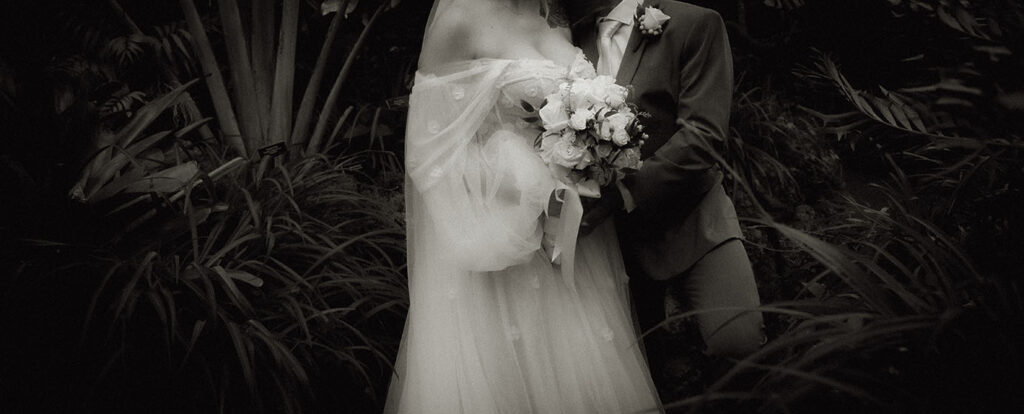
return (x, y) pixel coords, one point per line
(173, 43)
(123, 104)
(165, 181)
(127, 50)
(905, 113)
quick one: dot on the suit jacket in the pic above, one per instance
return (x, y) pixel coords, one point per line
(683, 78)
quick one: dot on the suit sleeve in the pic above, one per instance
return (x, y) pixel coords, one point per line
(681, 169)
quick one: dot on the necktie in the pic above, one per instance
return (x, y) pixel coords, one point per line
(610, 53)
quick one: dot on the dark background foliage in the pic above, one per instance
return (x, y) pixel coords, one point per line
(874, 155)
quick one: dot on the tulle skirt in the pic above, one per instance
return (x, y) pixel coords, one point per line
(520, 340)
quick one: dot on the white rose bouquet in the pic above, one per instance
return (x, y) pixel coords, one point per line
(590, 133)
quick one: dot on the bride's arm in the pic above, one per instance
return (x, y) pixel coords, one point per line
(449, 37)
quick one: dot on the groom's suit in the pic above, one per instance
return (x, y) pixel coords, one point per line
(684, 228)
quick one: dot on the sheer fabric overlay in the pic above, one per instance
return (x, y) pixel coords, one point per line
(492, 326)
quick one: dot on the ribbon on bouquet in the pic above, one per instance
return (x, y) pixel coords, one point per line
(570, 216)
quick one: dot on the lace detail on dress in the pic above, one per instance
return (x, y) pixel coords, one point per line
(530, 81)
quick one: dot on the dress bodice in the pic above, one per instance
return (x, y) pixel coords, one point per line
(530, 81)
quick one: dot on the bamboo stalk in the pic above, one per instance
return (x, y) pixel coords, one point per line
(284, 76)
(332, 98)
(214, 81)
(305, 114)
(241, 73)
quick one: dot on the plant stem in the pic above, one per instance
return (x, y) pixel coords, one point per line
(214, 81)
(241, 74)
(332, 98)
(263, 43)
(305, 114)
(284, 76)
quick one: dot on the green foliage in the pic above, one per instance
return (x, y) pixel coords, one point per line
(874, 153)
(120, 164)
(295, 278)
(878, 295)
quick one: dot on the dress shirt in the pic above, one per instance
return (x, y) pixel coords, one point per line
(622, 16)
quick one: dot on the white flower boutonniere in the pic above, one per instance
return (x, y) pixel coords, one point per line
(651, 20)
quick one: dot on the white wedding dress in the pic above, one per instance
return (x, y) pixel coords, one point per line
(493, 326)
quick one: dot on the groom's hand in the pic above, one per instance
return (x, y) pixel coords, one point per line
(597, 210)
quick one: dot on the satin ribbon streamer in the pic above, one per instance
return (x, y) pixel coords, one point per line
(570, 216)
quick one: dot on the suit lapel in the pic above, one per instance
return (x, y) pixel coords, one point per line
(631, 58)
(635, 48)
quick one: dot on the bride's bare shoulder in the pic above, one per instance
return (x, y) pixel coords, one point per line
(452, 35)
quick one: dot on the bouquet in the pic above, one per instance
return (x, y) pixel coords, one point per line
(590, 133)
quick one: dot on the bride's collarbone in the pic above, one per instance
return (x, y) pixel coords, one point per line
(516, 45)
(509, 35)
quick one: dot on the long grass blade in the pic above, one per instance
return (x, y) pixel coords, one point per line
(304, 117)
(332, 98)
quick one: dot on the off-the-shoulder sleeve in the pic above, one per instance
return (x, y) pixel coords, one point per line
(477, 191)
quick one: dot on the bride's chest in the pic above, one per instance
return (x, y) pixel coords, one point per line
(525, 84)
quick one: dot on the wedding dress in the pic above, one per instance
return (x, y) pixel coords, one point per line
(493, 325)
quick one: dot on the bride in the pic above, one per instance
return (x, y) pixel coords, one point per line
(493, 325)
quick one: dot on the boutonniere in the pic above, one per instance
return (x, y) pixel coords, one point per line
(650, 20)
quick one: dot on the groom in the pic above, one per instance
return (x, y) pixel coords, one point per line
(677, 227)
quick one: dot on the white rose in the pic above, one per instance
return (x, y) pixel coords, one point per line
(616, 96)
(585, 161)
(581, 94)
(614, 128)
(579, 119)
(605, 129)
(615, 101)
(548, 141)
(568, 135)
(566, 154)
(620, 137)
(553, 114)
(601, 88)
(653, 19)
